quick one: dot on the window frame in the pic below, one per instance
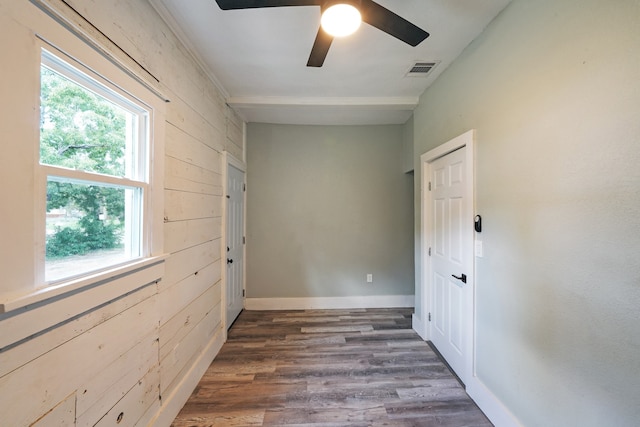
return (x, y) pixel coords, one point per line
(23, 289)
(137, 178)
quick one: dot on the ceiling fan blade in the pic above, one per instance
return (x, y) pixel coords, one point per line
(251, 4)
(320, 49)
(395, 25)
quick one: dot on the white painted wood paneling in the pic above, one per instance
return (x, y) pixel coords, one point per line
(235, 134)
(182, 205)
(62, 415)
(234, 118)
(190, 261)
(25, 323)
(233, 149)
(234, 128)
(181, 324)
(52, 376)
(16, 43)
(97, 396)
(183, 116)
(183, 176)
(135, 403)
(175, 298)
(37, 346)
(185, 234)
(90, 365)
(180, 358)
(174, 398)
(183, 146)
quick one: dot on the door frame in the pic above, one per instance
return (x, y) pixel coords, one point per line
(227, 160)
(465, 140)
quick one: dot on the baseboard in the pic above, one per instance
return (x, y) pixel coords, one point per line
(328, 303)
(419, 327)
(173, 403)
(492, 407)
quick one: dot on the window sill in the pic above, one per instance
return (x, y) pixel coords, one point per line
(26, 315)
(71, 286)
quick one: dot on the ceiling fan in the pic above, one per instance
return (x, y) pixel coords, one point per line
(369, 11)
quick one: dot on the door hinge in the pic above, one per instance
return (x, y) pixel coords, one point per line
(243, 293)
(429, 317)
(244, 187)
(429, 185)
(244, 240)
(429, 251)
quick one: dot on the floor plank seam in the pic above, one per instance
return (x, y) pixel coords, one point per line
(313, 368)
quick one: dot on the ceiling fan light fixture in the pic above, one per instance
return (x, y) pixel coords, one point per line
(341, 19)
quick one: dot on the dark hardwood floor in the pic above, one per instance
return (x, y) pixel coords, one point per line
(362, 367)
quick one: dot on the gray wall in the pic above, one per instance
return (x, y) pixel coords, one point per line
(325, 206)
(553, 89)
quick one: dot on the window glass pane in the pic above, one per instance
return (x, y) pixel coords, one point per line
(92, 222)
(90, 226)
(82, 130)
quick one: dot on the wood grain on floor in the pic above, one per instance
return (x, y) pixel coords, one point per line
(361, 367)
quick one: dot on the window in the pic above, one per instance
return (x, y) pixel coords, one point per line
(81, 208)
(94, 156)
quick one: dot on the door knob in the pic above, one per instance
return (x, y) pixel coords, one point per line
(462, 278)
(229, 261)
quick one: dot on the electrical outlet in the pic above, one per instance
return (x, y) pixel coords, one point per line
(369, 278)
(478, 249)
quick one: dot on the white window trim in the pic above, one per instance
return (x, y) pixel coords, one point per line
(34, 295)
(87, 79)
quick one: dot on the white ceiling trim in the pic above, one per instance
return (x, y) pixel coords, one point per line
(386, 103)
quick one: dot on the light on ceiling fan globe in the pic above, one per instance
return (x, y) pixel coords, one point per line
(341, 20)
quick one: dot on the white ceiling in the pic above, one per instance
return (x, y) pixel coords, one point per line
(257, 57)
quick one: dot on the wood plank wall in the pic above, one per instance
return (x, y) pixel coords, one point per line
(135, 359)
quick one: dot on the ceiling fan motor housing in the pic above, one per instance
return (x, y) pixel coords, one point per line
(326, 4)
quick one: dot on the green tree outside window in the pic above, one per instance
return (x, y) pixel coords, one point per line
(84, 131)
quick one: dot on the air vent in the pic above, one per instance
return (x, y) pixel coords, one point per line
(422, 68)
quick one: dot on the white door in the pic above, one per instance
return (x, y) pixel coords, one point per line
(451, 264)
(235, 245)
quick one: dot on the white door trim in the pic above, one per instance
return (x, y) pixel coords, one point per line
(465, 140)
(229, 159)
